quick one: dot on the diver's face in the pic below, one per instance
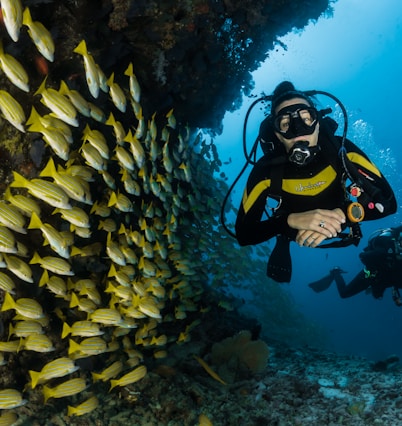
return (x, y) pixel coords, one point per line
(295, 123)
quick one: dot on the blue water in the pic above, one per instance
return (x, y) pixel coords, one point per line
(355, 55)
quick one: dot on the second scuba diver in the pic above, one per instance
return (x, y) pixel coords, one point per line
(382, 259)
(305, 168)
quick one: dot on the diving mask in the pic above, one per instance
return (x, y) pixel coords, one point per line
(296, 120)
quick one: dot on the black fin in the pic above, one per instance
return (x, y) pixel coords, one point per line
(279, 266)
(322, 284)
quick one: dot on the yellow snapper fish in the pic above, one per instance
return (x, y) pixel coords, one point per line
(135, 89)
(55, 138)
(46, 191)
(26, 205)
(11, 217)
(59, 367)
(8, 418)
(37, 343)
(84, 304)
(121, 202)
(91, 70)
(12, 111)
(96, 113)
(6, 283)
(90, 346)
(114, 252)
(116, 94)
(129, 378)
(136, 149)
(124, 158)
(25, 328)
(68, 388)
(76, 216)
(7, 241)
(29, 308)
(80, 103)
(85, 407)
(82, 329)
(106, 316)
(18, 267)
(93, 157)
(55, 284)
(109, 372)
(118, 129)
(10, 346)
(11, 398)
(13, 69)
(53, 236)
(54, 264)
(171, 119)
(40, 35)
(97, 140)
(12, 17)
(70, 184)
(60, 105)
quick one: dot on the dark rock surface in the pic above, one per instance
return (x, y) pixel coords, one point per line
(191, 55)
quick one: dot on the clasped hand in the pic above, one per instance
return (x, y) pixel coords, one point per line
(315, 226)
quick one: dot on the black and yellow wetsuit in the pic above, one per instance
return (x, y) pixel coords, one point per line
(317, 185)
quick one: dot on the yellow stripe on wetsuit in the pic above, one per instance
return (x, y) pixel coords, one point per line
(359, 160)
(303, 187)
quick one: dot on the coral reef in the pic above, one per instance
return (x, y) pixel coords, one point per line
(238, 356)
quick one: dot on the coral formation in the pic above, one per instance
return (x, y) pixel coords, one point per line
(239, 356)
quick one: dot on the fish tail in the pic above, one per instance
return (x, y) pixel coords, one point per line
(35, 376)
(42, 87)
(96, 376)
(66, 330)
(74, 300)
(49, 170)
(112, 199)
(111, 120)
(35, 222)
(113, 384)
(47, 393)
(34, 118)
(129, 71)
(8, 302)
(26, 17)
(10, 331)
(81, 49)
(64, 89)
(35, 258)
(73, 347)
(44, 278)
(19, 181)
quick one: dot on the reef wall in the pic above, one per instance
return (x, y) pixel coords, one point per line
(193, 55)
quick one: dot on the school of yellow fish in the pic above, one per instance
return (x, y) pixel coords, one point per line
(104, 235)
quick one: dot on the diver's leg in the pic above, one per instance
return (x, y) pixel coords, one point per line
(358, 284)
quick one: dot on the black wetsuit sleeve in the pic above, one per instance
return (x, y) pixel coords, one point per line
(357, 285)
(250, 226)
(377, 198)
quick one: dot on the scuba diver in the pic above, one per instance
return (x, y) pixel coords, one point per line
(313, 176)
(382, 260)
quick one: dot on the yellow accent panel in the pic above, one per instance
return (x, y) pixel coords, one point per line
(360, 160)
(310, 186)
(248, 201)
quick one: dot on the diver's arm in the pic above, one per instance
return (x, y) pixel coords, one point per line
(377, 198)
(357, 285)
(250, 227)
